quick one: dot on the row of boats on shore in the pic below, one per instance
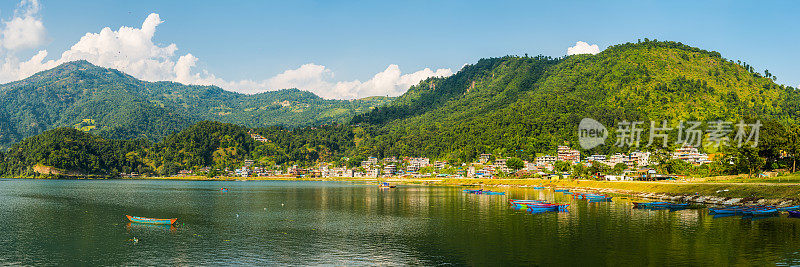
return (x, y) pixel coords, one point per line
(539, 206)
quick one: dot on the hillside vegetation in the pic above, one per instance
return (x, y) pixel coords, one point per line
(510, 106)
(520, 106)
(115, 105)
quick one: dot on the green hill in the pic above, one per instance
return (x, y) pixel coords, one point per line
(115, 105)
(519, 106)
(511, 106)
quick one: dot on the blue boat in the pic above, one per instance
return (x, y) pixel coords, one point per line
(492, 193)
(761, 212)
(538, 187)
(151, 220)
(789, 208)
(794, 214)
(728, 210)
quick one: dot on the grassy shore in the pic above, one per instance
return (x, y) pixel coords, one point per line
(721, 189)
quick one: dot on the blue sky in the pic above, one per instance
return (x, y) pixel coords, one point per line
(348, 41)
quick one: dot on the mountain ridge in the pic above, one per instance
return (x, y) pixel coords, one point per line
(123, 107)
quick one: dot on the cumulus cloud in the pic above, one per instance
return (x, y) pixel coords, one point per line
(583, 48)
(133, 51)
(25, 29)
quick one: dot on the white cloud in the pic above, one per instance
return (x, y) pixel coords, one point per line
(25, 29)
(583, 48)
(132, 51)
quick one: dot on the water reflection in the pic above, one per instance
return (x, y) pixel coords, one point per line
(304, 223)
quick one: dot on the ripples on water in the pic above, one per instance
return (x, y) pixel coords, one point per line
(309, 223)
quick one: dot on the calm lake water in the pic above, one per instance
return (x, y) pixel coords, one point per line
(336, 223)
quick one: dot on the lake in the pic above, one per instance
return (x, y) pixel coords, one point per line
(68, 222)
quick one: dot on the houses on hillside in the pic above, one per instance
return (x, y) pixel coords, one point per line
(485, 166)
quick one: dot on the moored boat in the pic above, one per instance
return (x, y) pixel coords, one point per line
(794, 213)
(790, 208)
(151, 220)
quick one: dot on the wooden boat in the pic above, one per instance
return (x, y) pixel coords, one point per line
(525, 201)
(386, 185)
(760, 212)
(151, 220)
(728, 210)
(648, 204)
(790, 208)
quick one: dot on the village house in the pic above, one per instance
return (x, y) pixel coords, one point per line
(373, 173)
(483, 158)
(390, 169)
(568, 154)
(596, 157)
(419, 162)
(258, 137)
(691, 155)
(545, 160)
(439, 164)
(243, 172)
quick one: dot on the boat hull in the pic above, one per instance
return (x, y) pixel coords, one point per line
(135, 219)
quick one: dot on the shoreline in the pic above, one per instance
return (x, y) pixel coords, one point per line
(779, 194)
(679, 191)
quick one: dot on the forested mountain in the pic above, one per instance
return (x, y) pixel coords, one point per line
(520, 106)
(115, 105)
(510, 106)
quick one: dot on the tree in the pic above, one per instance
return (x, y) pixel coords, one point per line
(578, 170)
(515, 164)
(792, 145)
(562, 166)
(744, 159)
(619, 168)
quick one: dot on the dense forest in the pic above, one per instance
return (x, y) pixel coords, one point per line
(512, 106)
(115, 105)
(521, 106)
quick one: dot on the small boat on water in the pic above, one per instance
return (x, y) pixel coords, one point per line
(223, 189)
(483, 192)
(794, 213)
(538, 187)
(386, 185)
(660, 205)
(151, 220)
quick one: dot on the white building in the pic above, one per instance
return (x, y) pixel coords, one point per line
(568, 154)
(545, 160)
